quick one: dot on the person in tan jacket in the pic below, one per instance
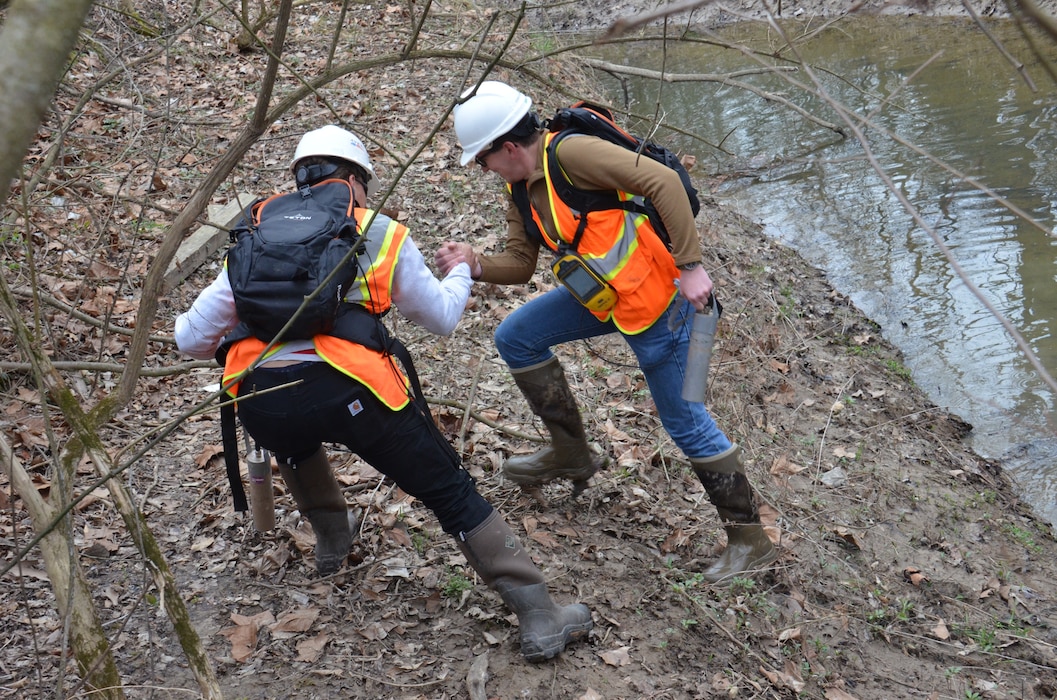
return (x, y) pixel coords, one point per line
(648, 295)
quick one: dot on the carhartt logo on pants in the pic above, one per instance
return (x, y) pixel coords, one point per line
(355, 407)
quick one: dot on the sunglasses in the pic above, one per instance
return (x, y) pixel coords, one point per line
(480, 157)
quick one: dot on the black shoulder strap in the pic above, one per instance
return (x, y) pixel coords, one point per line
(231, 455)
(581, 120)
(519, 191)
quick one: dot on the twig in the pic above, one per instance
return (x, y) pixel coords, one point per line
(1017, 65)
(80, 315)
(167, 371)
(825, 429)
(714, 78)
(626, 24)
(487, 421)
(469, 402)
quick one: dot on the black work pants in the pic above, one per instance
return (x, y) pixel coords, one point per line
(327, 406)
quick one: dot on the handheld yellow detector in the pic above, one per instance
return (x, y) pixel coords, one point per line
(589, 288)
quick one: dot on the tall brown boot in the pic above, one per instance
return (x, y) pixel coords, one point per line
(316, 492)
(496, 555)
(748, 547)
(568, 455)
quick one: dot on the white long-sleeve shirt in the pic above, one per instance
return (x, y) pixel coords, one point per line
(436, 305)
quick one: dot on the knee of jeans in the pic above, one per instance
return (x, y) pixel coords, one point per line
(506, 338)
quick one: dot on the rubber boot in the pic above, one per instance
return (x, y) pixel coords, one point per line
(748, 547)
(496, 555)
(316, 492)
(568, 455)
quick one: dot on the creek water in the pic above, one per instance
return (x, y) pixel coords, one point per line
(943, 86)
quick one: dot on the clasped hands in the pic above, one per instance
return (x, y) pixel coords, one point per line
(450, 254)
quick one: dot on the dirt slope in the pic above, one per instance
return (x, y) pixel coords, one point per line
(908, 566)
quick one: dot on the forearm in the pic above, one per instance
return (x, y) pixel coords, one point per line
(199, 330)
(517, 263)
(436, 305)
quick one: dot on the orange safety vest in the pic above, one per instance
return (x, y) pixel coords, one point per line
(376, 370)
(624, 249)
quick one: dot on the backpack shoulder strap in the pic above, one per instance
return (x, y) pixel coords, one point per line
(230, 442)
(519, 191)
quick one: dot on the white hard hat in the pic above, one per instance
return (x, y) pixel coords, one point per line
(335, 142)
(494, 110)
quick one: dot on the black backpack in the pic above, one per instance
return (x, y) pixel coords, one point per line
(586, 118)
(285, 248)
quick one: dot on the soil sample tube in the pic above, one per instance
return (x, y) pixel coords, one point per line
(262, 500)
(699, 354)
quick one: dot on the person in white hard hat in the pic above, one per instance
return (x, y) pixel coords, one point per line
(647, 294)
(331, 389)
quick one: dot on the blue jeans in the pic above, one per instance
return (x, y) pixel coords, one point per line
(526, 336)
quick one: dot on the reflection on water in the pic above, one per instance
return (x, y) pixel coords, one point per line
(820, 195)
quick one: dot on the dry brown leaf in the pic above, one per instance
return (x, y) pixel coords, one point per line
(768, 515)
(847, 536)
(208, 453)
(616, 657)
(546, 539)
(782, 367)
(789, 677)
(310, 649)
(914, 575)
(243, 640)
(615, 434)
(295, 621)
(374, 632)
(782, 465)
(243, 635)
(678, 538)
(398, 536)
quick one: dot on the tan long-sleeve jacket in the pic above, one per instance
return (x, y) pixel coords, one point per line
(594, 164)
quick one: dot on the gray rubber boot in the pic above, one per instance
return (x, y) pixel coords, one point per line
(568, 455)
(496, 555)
(748, 547)
(313, 487)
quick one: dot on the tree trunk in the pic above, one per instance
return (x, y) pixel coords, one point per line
(90, 647)
(47, 31)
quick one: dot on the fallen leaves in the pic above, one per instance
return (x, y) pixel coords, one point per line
(914, 576)
(616, 657)
(245, 633)
(788, 678)
(847, 537)
(783, 466)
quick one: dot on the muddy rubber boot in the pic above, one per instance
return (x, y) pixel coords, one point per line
(568, 455)
(313, 487)
(748, 547)
(496, 555)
